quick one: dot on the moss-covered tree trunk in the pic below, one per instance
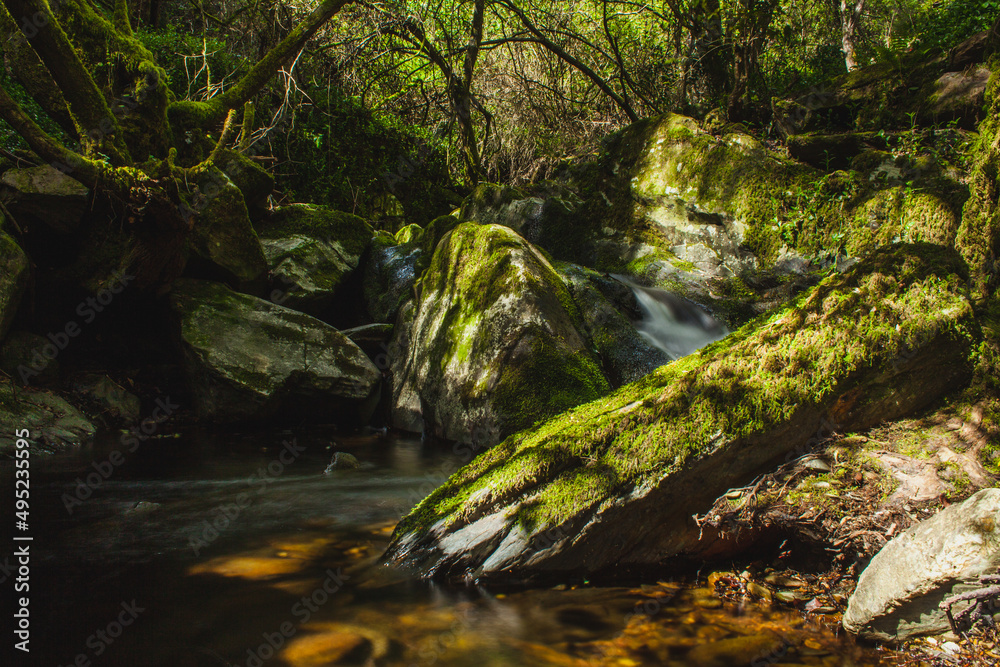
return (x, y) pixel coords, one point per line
(138, 143)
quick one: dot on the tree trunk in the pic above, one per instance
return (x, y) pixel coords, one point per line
(754, 20)
(850, 16)
(709, 62)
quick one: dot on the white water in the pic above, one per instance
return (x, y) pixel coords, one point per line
(673, 324)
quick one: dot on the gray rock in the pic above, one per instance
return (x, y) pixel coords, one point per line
(223, 236)
(311, 251)
(246, 358)
(44, 195)
(495, 343)
(898, 593)
(390, 274)
(52, 424)
(110, 397)
(13, 280)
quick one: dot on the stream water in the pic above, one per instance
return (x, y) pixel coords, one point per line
(673, 324)
(237, 549)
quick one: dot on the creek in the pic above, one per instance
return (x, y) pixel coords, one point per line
(236, 549)
(671, 323)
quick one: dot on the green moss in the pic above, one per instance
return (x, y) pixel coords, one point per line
(317, 222)
(979, 235)
(802, 358)
(409, 234)
(498, 330)
(548, 383)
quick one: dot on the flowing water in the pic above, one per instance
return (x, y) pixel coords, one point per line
(237, 549)
(673, 324)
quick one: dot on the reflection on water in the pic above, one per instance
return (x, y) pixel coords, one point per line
(230, 553)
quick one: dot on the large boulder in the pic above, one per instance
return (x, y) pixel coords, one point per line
(46, 421)
(899, 593)
(615, 482)
(494, 344)
(46, 196)
(13, 280)
(249, 359)
(222, 236)
(712, 213)
(311, 251)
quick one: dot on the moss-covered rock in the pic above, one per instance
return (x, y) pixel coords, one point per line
(29, 359)
(222, 235)
(253, 180)
(894, 95)
(544, 214)
(495, 343)
(13, 280)
(311, 252)
(615, 481)
(52, 424)
(979, 235)
(249, 359)
(411, 234)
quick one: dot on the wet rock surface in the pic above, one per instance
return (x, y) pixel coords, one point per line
(48, 422)
(246, 358)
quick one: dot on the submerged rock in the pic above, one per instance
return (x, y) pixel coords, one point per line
(615, 482)
(249, 359)
(898, 594)
(13, 280)
(342, 461)
(311, 251)
(495, 343)
(46, 421)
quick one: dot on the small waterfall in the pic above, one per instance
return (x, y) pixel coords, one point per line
(673, 324)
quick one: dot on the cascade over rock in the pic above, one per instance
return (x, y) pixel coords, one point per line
(615, 482)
